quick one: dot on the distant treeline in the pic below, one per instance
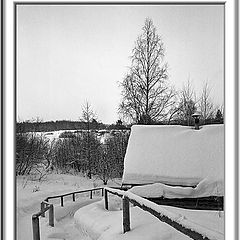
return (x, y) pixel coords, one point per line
(35, 126)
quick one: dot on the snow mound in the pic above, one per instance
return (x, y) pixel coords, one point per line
(174, 155)
(205, 188)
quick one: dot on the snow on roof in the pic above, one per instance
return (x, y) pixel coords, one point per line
(175, 155)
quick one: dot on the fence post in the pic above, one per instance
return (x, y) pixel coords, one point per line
(51, 216)
(106, 199)
(126, 215)
(42, 209)
(35, 226)
(74, 197)
(90, 194)
(61, 201)
(102, 191)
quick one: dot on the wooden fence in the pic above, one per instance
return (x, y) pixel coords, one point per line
(148, 206)
(46, 206)
(127, 198)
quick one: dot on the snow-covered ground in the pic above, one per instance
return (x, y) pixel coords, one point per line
(91, 220)
(97, 223)
(201, 165)
(102, 135)
(30, 194)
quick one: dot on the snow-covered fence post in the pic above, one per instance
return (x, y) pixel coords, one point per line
(35, 225)
(106, 199)
(126, 214)
(42, 209)
(51, 216)
(62, 201)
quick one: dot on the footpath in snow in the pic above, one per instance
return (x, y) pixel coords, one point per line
(31, 193)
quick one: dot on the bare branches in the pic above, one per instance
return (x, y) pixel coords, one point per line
(187, 105)
(87, 112)
(146, 94)
(206, 105)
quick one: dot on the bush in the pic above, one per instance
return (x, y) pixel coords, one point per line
(31, 152)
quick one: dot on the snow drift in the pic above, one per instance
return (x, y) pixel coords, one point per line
(205, 188)
(174, 155)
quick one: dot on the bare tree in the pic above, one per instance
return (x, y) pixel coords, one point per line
(110, 161)
(188, 104)
(146, 94)
(206, 105)
(88, 116)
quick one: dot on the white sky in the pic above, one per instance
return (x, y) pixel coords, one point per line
(69, 54)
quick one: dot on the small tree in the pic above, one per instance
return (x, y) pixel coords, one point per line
(88, 116)
(146, 96)
(111, 158)
(187, 105)
(206, 105)
(104, 165)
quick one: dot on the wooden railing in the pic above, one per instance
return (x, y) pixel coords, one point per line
(74, 194)
(127, 198)
(184, 226)
(46, 206)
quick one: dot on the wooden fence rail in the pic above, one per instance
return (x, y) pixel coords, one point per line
(148, 206)
(74, 194)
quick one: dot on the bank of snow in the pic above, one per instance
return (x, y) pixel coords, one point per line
(101, 224)
(207, 187)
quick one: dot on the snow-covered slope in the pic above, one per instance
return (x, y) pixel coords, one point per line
(174, 155)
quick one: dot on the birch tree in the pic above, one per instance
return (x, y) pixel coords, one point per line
(146, 95)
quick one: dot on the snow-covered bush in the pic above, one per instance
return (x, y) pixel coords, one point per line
(31, 152)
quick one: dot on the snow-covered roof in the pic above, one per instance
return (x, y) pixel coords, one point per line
(175, 155)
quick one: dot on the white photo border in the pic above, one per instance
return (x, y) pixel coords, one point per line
(231, 223)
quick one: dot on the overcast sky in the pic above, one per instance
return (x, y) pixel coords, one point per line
(69, 54)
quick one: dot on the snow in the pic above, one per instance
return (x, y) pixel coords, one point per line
(207, 187)
(174, 155)
(54, 135)
(100, 224)
(181, 219)
(28, 203)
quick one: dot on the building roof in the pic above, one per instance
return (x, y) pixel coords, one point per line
(174, 155)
